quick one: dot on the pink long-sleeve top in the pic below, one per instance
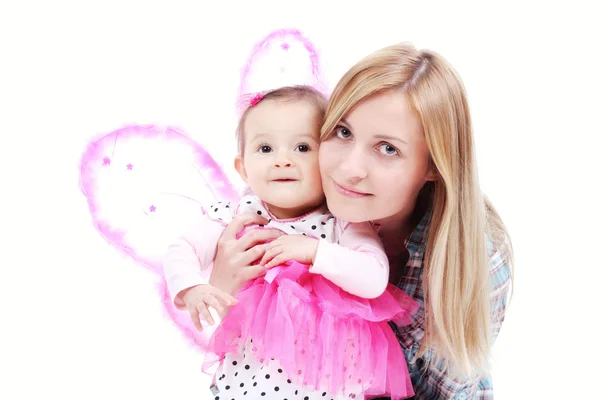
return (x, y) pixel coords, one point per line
(348, 254)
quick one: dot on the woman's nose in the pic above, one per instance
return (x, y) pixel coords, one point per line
(353, 165)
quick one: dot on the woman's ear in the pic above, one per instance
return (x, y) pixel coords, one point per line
(432, 175)
(238, 164)
(432, 172)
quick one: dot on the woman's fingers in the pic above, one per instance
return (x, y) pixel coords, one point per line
(239, 223)
(279, 259)
(252, 254)
(252, 272)
(257, 236)
(233, 265)
(270, 254)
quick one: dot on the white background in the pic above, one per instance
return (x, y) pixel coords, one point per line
(81, 321)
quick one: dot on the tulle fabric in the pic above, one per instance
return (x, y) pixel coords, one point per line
(323, 337)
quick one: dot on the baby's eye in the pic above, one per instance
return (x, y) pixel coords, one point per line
(387, 149)
(265, 149)
(303, 148)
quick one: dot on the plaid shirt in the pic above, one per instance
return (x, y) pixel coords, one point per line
(433, 383)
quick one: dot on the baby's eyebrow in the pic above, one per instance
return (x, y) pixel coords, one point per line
(259, 136)
(265, 136)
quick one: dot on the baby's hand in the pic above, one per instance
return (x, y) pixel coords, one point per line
(290, 247)
(197, 299)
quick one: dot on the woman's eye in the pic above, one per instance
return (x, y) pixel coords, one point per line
(264, 149)
(342, 132)
(303, 148)
(387, 149)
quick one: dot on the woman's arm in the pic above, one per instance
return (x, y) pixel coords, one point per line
(357, 264)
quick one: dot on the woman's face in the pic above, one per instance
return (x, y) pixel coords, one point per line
(376, 161)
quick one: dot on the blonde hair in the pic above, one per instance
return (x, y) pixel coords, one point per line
(285, 93)
(457, 273)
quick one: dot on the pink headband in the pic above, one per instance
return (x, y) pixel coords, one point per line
(248, 100)
(256, 99)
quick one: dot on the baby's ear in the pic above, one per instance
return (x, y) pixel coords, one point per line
(238, 163)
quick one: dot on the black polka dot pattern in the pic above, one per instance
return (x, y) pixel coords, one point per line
(254, 379)
(244, 376)
(317, 224)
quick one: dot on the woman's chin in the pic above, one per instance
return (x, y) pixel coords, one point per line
(346, 213)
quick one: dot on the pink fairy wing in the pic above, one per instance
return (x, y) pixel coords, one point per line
(284, 57)
(145, 185)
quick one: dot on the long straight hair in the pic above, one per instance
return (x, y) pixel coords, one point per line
(456, 265)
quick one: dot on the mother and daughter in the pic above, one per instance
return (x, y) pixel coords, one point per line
(363, 260)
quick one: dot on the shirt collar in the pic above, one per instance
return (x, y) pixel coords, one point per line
(418, 238)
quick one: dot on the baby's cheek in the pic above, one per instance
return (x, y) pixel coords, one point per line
(315, 174)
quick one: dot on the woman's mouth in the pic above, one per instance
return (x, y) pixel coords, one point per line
(349, 192)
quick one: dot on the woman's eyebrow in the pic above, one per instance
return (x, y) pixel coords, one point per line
(390, 138)
(382, 137)
(343, 121)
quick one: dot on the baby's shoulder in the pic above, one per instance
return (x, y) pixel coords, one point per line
(222, 211)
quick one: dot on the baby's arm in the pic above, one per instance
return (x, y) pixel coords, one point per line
(188, 258)
(357, 264)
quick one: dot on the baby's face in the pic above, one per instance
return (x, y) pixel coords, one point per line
(280, 161)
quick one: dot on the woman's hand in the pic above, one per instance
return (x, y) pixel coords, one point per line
(232, 267)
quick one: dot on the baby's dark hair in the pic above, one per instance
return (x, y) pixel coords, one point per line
(285, 93)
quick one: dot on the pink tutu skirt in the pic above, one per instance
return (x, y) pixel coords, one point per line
(322, 336)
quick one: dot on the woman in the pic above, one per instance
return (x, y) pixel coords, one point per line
(398, 150)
